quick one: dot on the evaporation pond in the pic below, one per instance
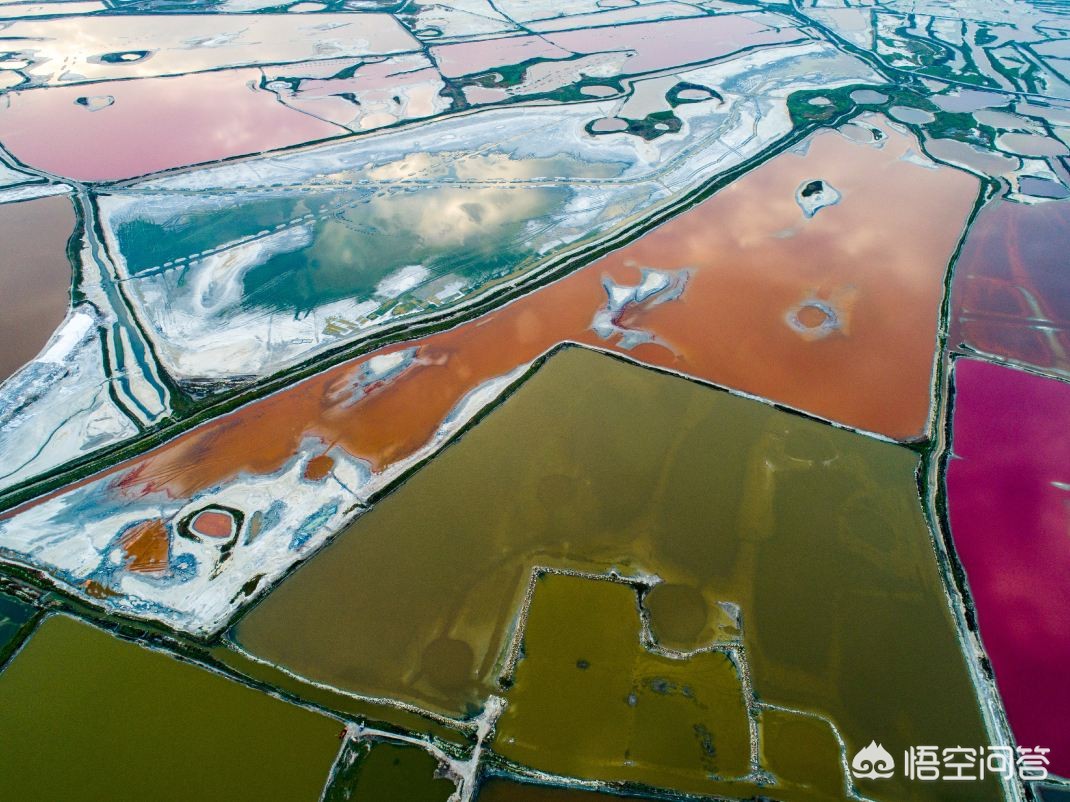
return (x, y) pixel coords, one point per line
(87, 716)
(816, 534)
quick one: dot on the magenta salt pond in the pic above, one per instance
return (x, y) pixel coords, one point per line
(1009, 503)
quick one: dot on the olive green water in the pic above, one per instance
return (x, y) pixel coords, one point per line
(364, 711)
(501, 790)
(85, 716)
(389, 772)
(815, 533)
(637, 715)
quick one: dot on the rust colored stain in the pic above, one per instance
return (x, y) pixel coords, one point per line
(35, 276)
(212, 523)
(97, 590)
(152, 124)
(146, 547)
(764, 286)
(318, 468)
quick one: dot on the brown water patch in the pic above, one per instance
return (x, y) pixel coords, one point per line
(449, 665)
(318, 468)
(815, 534)
(678, 614)
(146, 545)
(154, 124)
(97, 590)
(35, 276)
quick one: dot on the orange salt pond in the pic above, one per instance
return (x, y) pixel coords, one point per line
(834, 315)
(318, 468)
(213, 523)
(122, 129)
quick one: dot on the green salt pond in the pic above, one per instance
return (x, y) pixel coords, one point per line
(635, 714)
(86, 716)
(389, 772)
(815, 534)
(350, 242)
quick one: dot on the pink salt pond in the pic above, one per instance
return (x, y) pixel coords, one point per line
(649, 45)
(675, 42)
(153, 124)
(213, 523)
(1008, 485)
